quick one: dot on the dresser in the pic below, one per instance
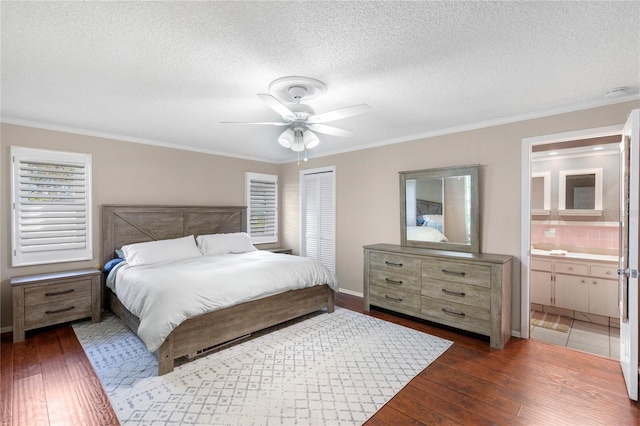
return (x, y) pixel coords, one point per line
(47, 299)
(468, 291)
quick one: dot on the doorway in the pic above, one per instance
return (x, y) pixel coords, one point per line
(570, 240)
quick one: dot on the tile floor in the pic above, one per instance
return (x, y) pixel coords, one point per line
(583, 336)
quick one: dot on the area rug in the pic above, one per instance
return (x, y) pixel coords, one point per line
(550, 321)
(329, 369)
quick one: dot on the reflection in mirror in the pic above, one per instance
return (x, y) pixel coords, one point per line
(580, 190)
(541, 193)
(439, 208)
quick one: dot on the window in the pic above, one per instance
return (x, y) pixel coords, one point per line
(262, 203)
(51, 207)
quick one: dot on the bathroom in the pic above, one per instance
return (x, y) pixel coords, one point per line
(575, 200)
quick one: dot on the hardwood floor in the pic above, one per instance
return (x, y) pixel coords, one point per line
(47, 379)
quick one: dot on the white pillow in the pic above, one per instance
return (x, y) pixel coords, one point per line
(237, 242)
(160, 251)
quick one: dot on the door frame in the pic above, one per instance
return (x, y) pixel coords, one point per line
(525, 211)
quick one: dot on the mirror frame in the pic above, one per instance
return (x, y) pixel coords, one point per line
(470, 170)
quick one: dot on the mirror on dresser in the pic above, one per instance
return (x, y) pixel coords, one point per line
(439, 208)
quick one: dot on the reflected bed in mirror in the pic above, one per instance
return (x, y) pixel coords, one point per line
(439, 208)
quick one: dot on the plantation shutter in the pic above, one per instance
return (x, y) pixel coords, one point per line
(318, 215)
(51, 207)
(262, 203)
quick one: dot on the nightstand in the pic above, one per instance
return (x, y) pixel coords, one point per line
(47, 299)
(281, 250)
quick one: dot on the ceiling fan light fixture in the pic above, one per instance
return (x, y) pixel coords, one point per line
(310, 139)
(298, 140)
(286, 139)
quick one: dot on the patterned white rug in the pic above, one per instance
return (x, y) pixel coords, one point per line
(329, 369)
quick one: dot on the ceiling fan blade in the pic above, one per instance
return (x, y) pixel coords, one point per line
(277, 106)
(272, 123)
(339, 114)
(329, 130)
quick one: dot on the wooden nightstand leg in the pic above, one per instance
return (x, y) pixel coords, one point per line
(18, 315)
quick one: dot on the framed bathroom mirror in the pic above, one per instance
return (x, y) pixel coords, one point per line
(439, 209)
(580, 192)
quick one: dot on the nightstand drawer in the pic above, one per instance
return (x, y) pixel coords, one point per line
(57, 292)
(57, 312)
(46, 299)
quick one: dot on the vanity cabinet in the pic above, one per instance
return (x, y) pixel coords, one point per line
(584, 286)
(469, 291)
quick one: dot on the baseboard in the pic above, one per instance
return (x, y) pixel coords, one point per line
(350, 292)
(515, 333)
(6, 329)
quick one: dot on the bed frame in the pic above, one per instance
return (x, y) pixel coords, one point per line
(128, 224)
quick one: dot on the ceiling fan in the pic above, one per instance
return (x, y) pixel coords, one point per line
(299, 118)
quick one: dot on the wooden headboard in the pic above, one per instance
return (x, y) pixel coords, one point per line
(128, 224)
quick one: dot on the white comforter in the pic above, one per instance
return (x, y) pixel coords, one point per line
(164, 295)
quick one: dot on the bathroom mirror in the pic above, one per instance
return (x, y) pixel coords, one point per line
(439, 208)
(541, 193)
(580, 192)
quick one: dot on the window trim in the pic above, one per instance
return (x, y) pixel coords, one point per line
(262, 239)
(19, 257)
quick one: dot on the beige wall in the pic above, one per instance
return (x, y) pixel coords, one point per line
(123, 173)
(367, 187)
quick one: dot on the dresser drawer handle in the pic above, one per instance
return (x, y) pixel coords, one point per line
(390, 281)
(458, 314)
(453, 293)
(460, 274)
(398, 265)
(393, 299)
(57, 311)
(58, 293)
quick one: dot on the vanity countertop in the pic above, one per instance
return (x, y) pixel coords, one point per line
(576, 256)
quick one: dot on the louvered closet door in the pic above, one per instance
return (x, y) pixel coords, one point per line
(318, 218)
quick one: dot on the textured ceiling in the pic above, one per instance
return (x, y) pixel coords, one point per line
(169, 72)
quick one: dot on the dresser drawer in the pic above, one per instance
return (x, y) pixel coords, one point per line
(394, 280)
(608, 272)
(57, 292)
(465, 294)
(572, 268)
(395, 263)
(457, 272)
(466, 317)
(396, 300)
(57, 312)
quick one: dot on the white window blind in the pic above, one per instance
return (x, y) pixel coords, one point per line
(51, 207)
(262, 203)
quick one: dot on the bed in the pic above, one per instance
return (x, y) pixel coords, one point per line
(128, 224)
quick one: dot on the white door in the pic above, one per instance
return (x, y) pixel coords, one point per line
(318, 216)
(628, 268)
